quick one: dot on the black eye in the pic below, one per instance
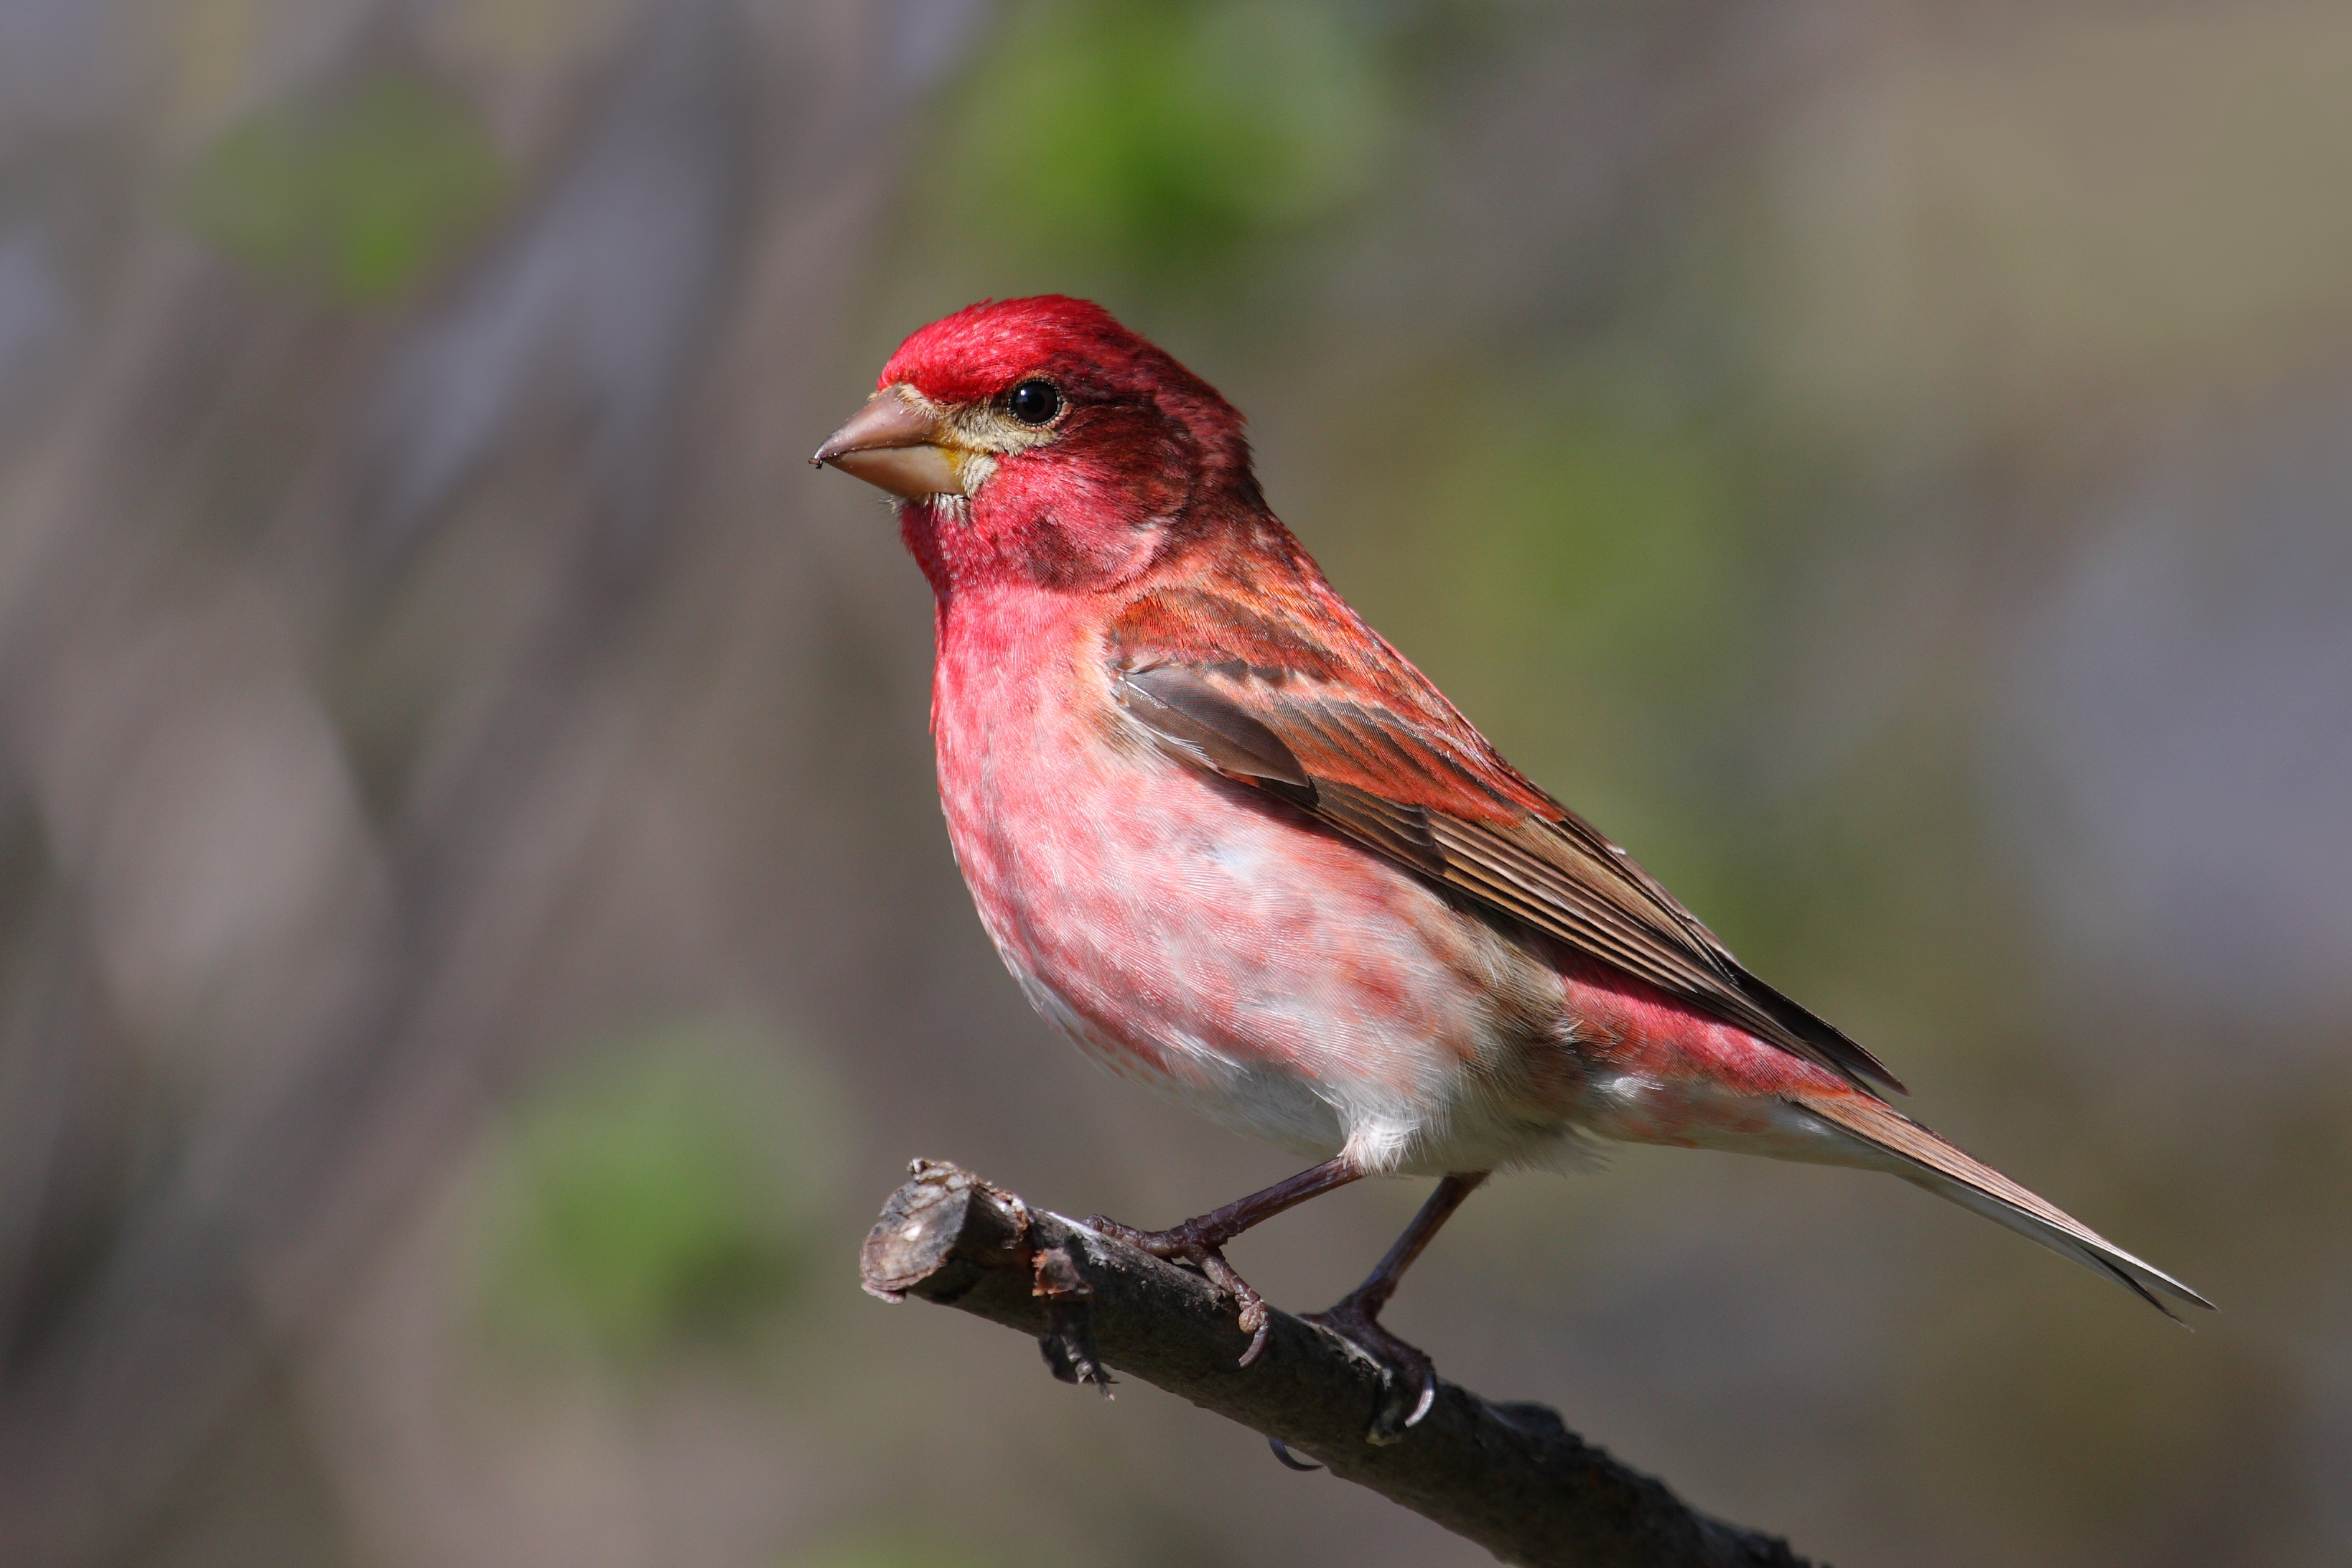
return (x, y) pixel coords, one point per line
(1034, 401)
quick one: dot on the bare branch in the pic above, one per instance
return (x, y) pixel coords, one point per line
(1511, 1477)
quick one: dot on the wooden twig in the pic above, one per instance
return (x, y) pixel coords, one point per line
(1512, 1477)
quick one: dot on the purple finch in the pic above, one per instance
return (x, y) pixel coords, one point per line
(1239, 849)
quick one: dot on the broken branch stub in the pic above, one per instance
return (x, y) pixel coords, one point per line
(1510, 1477)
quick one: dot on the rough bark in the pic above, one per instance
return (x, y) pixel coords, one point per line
(1510, 1477)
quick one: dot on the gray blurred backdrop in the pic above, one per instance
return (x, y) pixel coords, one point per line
(476, 939)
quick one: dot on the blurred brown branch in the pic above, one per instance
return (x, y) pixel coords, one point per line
(1511, 1477)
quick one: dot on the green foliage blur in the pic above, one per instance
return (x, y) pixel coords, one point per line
(355, 195)
(1161, 138)
(658, 1199)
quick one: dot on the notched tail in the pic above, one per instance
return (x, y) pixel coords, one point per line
(1922, 1157)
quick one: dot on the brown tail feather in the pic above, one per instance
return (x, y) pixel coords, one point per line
(1934, 1164)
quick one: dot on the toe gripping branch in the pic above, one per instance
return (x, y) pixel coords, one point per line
(1511, 1477)
(1202, 1244)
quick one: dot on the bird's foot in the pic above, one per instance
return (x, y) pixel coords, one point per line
(1411, 1378)
(1202, 1247)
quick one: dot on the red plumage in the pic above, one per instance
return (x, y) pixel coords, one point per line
(1237, 847)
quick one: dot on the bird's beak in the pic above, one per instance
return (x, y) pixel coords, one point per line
(899, 443)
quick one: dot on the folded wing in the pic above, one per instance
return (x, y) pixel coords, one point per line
(1364, 742)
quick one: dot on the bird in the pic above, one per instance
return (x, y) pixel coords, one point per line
(1239, 849)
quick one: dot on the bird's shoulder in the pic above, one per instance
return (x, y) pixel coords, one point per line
(1261, 632)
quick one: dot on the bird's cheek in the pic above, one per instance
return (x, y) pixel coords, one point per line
(1158, 494)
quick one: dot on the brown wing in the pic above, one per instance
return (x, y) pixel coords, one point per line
(1324, 714)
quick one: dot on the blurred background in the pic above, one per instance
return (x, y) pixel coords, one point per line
(477, 937)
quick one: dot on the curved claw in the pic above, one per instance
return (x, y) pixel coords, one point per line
(1383, 1432)
(1252, 1313)
(1428, 1398)
(1282, 1452)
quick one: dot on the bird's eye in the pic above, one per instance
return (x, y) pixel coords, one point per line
(1034, 401)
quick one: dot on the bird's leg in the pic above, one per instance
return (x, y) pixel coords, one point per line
(1358, 1313)
(1200, 1241)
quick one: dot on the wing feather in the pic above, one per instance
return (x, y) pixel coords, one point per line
(1376, 753)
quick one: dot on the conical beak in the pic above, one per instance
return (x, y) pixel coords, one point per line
(897, 443)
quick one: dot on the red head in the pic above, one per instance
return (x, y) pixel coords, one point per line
(1038, 440)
